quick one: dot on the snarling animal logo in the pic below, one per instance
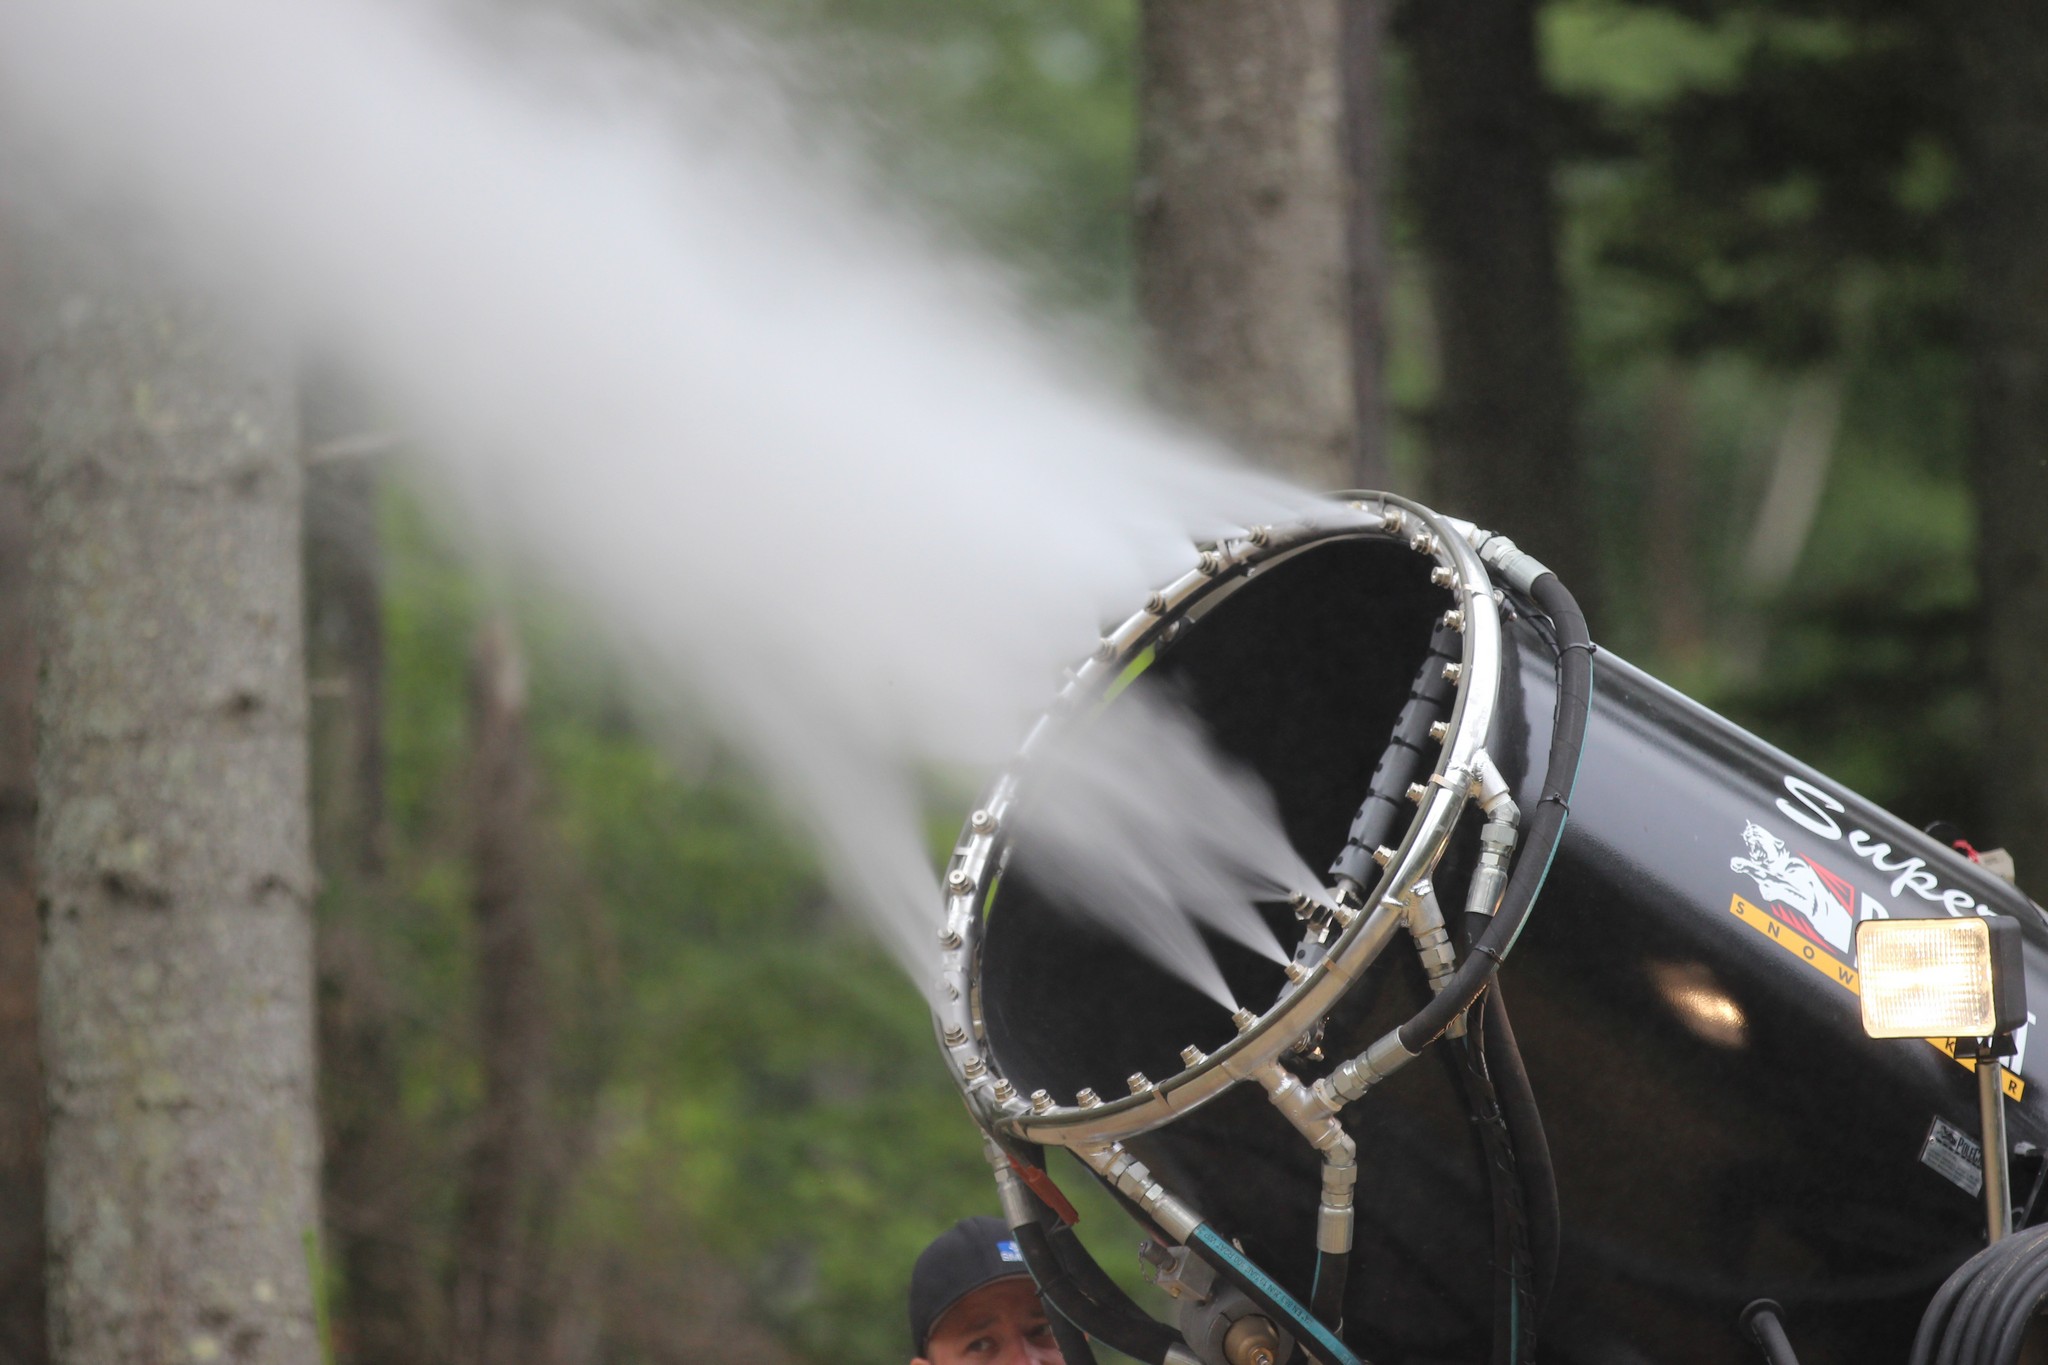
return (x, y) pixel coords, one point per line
(1788, 880)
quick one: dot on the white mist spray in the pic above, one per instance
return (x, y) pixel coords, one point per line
(1141, 823)
(797, 452)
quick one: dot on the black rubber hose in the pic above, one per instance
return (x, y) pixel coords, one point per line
(1964, 1344)
(1094, 1281)
(2004, 1307)
(1081, 1291)
(1544, 827)
(1139, 1336)
(1953, 1306)
(1765, 1321)
(1326, 1296)
(1998, 1291)
(1513, 1301)
(1072, 1341)
(1532, 1148)
(2017, 1311)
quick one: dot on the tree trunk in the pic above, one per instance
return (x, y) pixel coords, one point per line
(23, 1310)
(371, 1185)
(1242, 238)
(1502, 441)
(2002, 50)
(493, 1257)
(1365, 23)
(177, 1011)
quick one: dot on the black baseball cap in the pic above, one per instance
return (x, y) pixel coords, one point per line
(973, 1252)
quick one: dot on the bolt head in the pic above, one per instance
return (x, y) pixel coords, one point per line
(956, 1036)
(982, 822)
(1041, 1102)
(1416, 791)
(1004, 1090)
(1453, 672)
(973, 1066)
(1383, 855)
(959, 883)
(1394, 521)
(1454, 619)
(1440, 730)
(1443, 575)
(1192, 1055)
(1139, 1082)
(1087, 1099)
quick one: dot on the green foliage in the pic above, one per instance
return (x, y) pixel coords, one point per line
(760, 1076)
(1013, 119)
(1758, 200)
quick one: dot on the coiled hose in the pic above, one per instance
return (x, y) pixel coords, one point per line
(1979, 1316)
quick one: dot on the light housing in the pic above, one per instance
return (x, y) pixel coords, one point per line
(1941, 978)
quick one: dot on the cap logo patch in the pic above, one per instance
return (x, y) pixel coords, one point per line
(1008, 1251)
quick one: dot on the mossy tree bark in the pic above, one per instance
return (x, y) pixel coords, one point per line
(23, 1333)
(1243, 238)
(172, 843)
(2002, 47)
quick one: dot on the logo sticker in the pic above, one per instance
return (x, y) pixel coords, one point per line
(1008, 1251)
(1821, 905)
(1811, 911)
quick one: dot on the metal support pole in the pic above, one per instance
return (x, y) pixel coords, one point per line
(1991, 1123)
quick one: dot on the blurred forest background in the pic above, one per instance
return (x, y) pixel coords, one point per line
(1719, 307)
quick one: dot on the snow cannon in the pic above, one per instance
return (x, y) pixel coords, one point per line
(1682, 1145)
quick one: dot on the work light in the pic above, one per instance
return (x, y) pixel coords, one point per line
(1941, 978)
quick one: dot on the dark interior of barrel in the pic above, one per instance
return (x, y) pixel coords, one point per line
(1299, 674)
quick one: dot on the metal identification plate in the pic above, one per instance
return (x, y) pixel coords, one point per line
(1954, 1154)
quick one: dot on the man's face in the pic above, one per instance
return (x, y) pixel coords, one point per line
(998, 1324)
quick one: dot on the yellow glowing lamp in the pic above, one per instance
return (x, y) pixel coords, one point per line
(1941, 978)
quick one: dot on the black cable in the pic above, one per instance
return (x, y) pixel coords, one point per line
(1765, 1321)
(1072, 1341)
(1326, 1296)
(1532, 1149)
(1074, 1287)
(1544, 826)
(2019, 1310)
(2007, 1302)
(1982, 1300)
(1963, 1345)
(1139, 1336)
(1087, 1272)
(1513, 1301)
